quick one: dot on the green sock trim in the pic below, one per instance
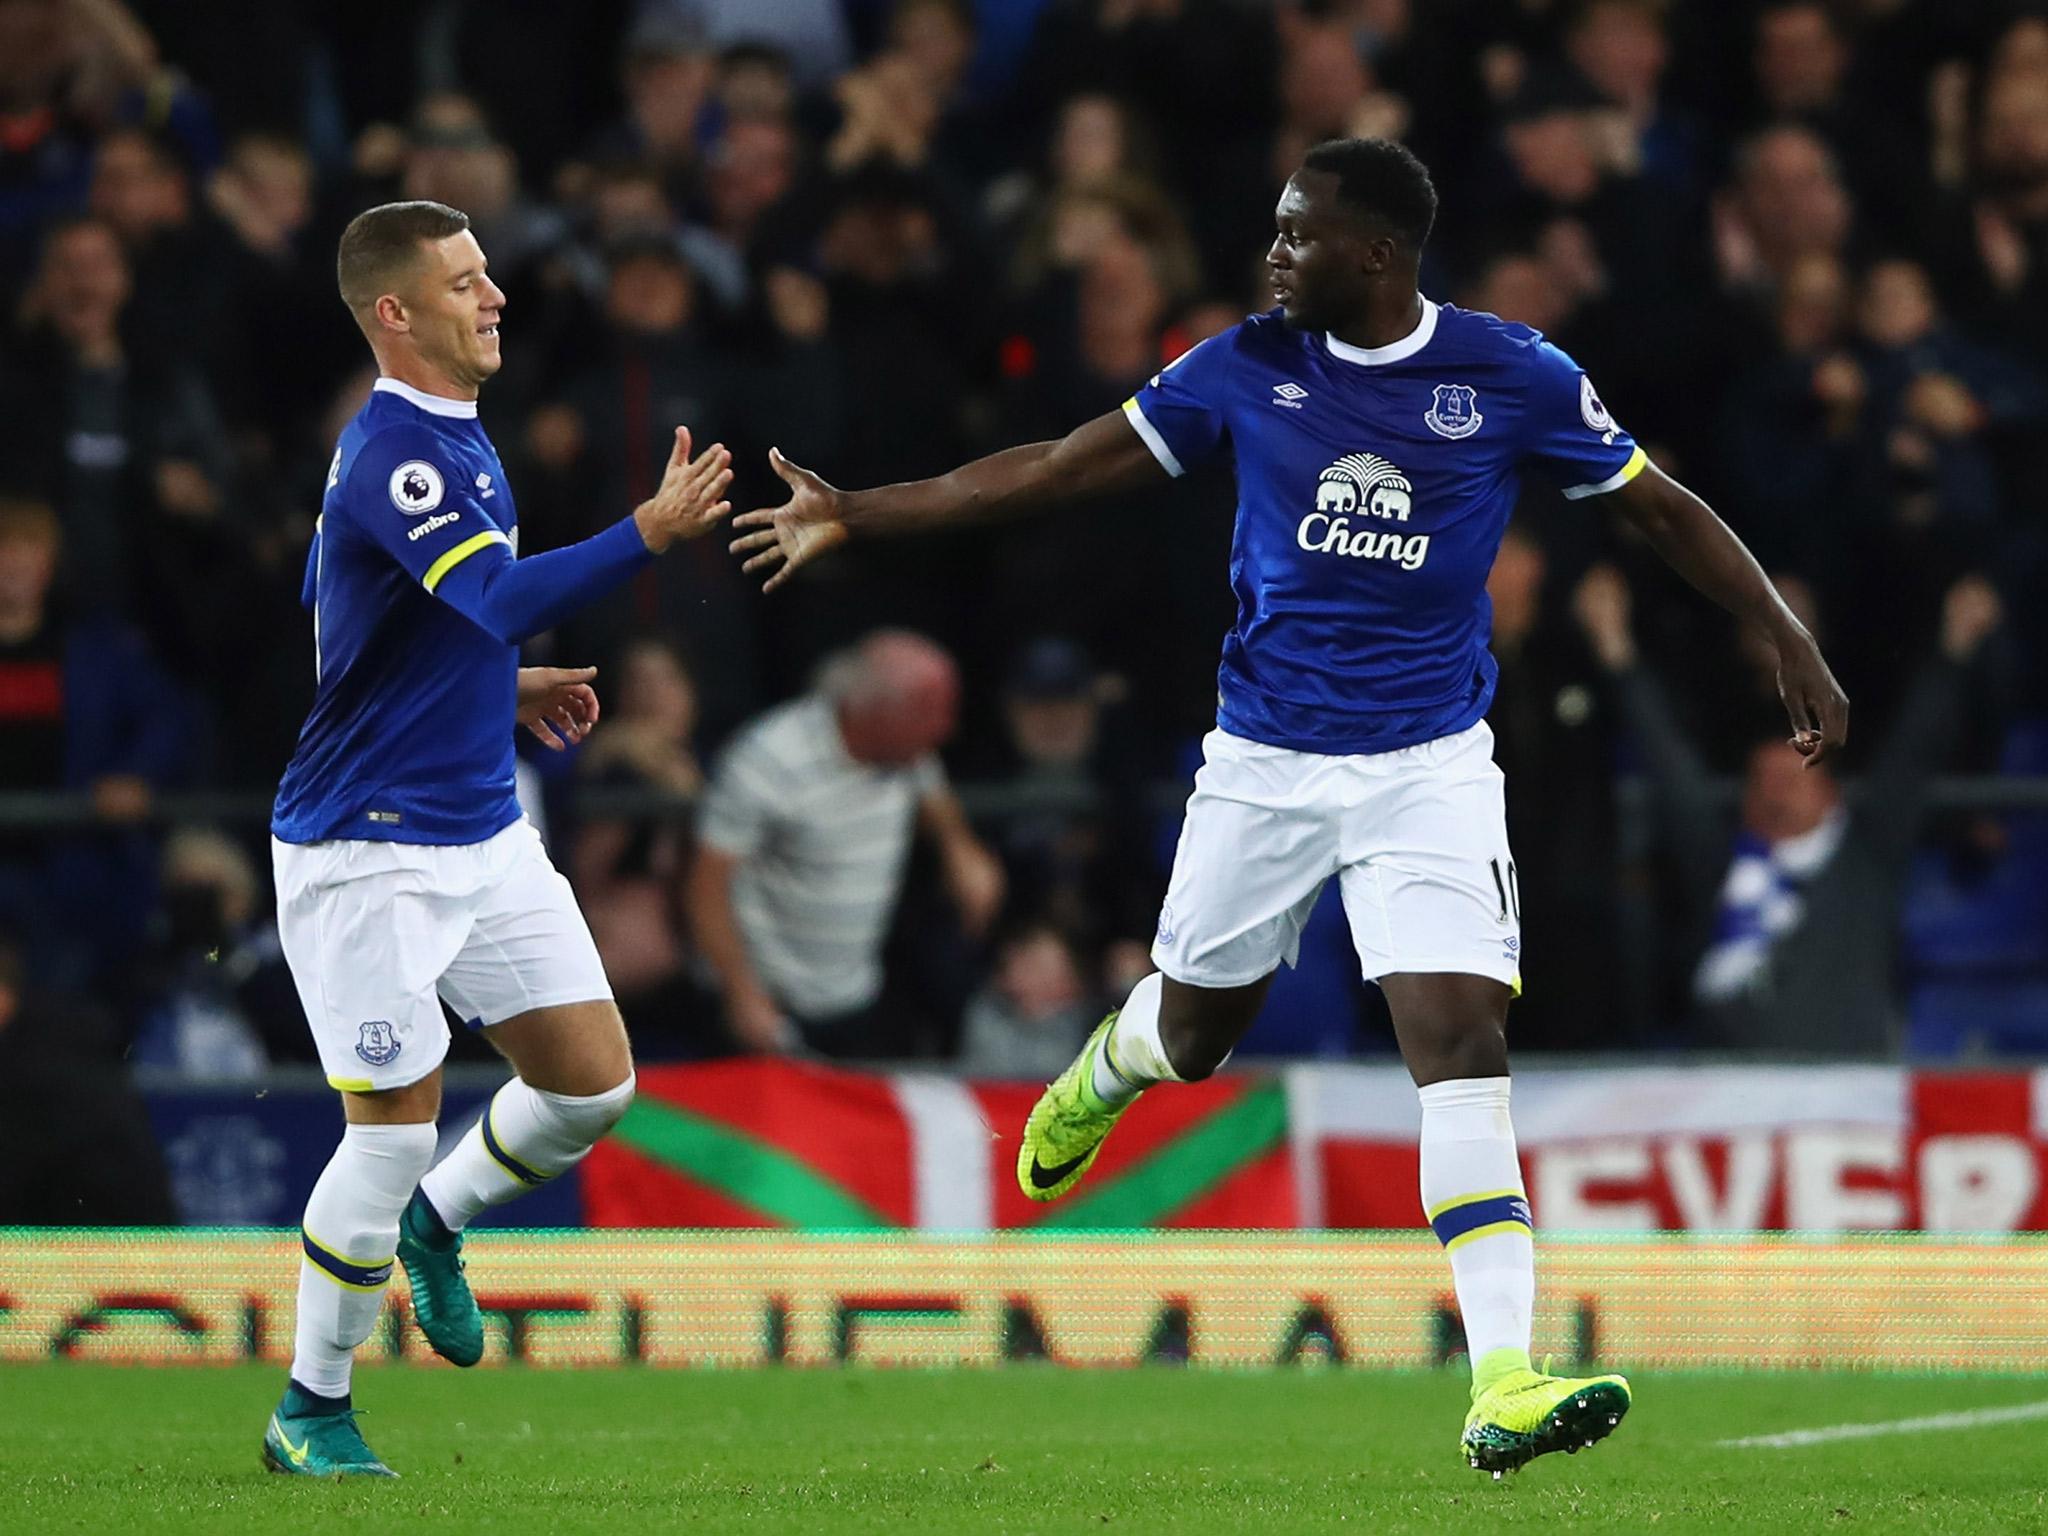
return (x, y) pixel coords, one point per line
(1495, 1364)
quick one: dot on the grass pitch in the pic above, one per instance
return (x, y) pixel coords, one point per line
(1022, 1449)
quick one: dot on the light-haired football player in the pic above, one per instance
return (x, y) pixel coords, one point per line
(406, 874)
(1379, 439)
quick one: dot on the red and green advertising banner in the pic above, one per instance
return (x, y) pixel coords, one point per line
(760, 1143)
(1725, 1149)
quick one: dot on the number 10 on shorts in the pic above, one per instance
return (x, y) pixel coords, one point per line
(1510, 891)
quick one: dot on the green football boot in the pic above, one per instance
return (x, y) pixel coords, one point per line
(441, 1300)
(312, 1436)
(1519, 1414)
(1068, 1125)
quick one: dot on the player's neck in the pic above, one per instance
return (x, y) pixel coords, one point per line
(1386, 320)
(423, 376)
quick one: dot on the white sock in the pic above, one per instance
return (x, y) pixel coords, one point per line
(349, 1238)
(524, 1138)
(1132, 1059)
(1472, 1193)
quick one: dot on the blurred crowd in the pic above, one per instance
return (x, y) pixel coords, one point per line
(1802, 246)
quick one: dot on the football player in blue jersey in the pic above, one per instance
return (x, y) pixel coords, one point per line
(1379, 440)
(406, 873)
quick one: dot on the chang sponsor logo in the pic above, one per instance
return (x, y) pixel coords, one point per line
(1356, 499)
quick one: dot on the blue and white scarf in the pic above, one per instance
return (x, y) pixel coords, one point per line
(1762, 899)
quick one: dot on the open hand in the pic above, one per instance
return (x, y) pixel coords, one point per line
(795, 533)
(687, 503)
(557, 704)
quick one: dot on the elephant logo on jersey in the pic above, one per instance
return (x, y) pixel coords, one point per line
(1454, 411)
(1367, 481)
(1363, 486)
(416, 487)
(378, 1044)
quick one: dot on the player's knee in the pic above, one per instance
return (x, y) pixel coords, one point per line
(625, 1093)
(1479, 1049)
(609, 1108)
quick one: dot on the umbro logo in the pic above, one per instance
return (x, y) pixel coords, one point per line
(1289, 394)
(483, 485)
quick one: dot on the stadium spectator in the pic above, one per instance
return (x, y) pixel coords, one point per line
(1803, 65)
(1621, 49)
(1074, 851)
(669, 75)
(1792, 436)
(812, 33)
(1095, 140)
(452, 157)
(753, 171)
(69, 72)
(1800, 916)
(755, 84)
(75, 1143)
(83, 708)
(122, 438)
(179, 255)
(1034, 1012)
(606, 436)
(1205, 75)
(1787, 203)
(1553, 738)
(629, 874)
(1998, 251)
(216, 997)
(265, 198)
(936, 40)
(803, 842)
(1935, 399)
(904, 305)
(1570, 156)
(1327, 91)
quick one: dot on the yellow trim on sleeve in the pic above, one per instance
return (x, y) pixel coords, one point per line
(1637, 463)
(451, 558)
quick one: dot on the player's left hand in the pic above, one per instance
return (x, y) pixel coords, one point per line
(780, 539)
(557, 704)
(1815, 701)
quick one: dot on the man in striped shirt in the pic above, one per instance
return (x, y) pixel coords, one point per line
(805, 835)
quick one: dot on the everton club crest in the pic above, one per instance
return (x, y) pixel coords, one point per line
(378, 1043)
(1454, 413)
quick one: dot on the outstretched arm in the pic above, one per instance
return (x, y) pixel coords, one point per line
(514, 600)
(1701, 548)
(1097, 457)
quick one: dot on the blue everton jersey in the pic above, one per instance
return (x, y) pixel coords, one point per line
(1374, 485)
(410, 736)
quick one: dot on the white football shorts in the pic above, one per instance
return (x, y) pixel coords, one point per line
(377, 934)
(1417, 840)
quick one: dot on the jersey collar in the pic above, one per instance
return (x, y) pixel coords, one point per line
(438, 405)
(1393, 351)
